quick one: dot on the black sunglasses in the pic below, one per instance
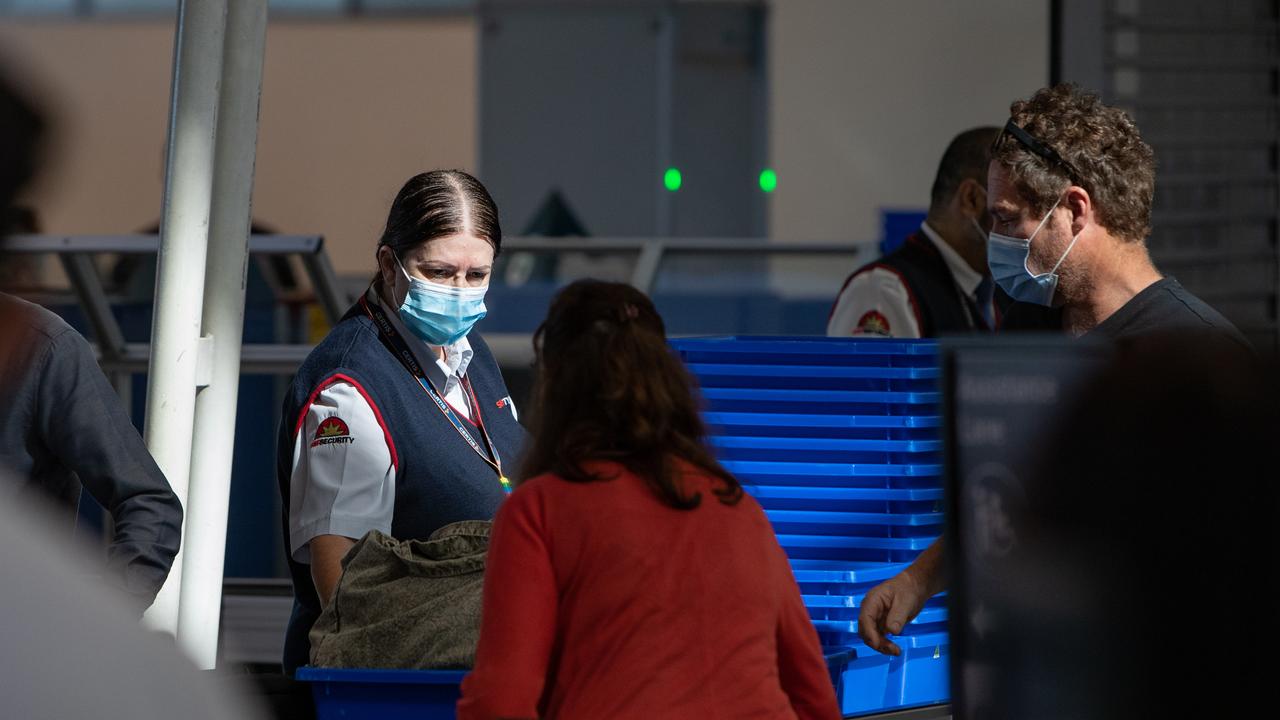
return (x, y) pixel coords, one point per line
(1043, 149)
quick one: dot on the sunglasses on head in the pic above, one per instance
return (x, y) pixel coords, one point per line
(1030, 142)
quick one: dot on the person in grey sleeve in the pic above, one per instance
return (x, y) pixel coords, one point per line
(62, 426)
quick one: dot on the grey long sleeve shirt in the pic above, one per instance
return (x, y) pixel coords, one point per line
(62, 427)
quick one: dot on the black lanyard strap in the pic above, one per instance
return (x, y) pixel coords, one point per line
(398, 347)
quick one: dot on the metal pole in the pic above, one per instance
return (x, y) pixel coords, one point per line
(184, 237)
(88, 289)
(223, 320)
(646, 269)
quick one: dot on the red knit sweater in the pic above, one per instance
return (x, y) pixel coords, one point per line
(601, 602)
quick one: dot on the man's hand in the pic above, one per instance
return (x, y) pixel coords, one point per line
(888, 608)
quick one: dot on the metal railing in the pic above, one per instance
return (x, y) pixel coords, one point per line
(653, 251)
(119, 359)
(116, 356)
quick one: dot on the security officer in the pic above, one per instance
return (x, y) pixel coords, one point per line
(937, 282)
(399, 420)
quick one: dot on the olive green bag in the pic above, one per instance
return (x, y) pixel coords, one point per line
(406, 604)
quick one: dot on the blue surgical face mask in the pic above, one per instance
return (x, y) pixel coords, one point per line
(1007, 258)
(440, 314)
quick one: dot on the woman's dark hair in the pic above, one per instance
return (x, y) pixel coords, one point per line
(609, 388)
(438, 204)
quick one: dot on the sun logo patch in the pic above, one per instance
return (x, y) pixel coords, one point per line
(332, 431)
(873, 323)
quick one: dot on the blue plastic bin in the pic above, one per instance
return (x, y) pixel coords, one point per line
(930, 616)
(807, 522)
(845, 402)
(854, 590)
(844, 573)
(872, 683)
(346, 694)
(781, 447)
(816, 377)
(925, 672)
(862, 681)
(832, 640)
(826, 496)
(866, 427)
(836, 474)
(839, 440)
(840, 542)
(752, 375)
(910, 501)
(826, 450)
(811, 421)
(790, 350)
(855, 593)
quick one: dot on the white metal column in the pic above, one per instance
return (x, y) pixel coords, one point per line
(209, 493)
(184, 237)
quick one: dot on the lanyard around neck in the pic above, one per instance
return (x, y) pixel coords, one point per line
(395, 343)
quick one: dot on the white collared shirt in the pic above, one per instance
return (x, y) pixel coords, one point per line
(878, 301)
(967, 279)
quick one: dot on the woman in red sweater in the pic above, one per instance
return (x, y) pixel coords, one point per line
(630, 576)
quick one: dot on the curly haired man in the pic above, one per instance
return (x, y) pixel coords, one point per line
(1069, 191)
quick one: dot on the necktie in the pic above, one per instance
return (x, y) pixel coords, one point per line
(983, 296)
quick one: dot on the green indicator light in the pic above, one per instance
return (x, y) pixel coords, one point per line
(672, 179)
(768, 180)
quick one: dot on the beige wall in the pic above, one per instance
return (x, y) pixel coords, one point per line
(866, 94)
(349, 111)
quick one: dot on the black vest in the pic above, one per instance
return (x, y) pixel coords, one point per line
(941, 307)
(439, 478)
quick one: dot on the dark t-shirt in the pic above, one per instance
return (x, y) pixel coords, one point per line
(1164, 308)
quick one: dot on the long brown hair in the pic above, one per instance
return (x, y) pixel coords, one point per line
(610, 388)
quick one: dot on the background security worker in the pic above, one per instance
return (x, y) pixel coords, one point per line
(937, 282)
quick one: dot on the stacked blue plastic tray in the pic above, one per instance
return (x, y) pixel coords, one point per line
(358, 694)
(840, 441)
